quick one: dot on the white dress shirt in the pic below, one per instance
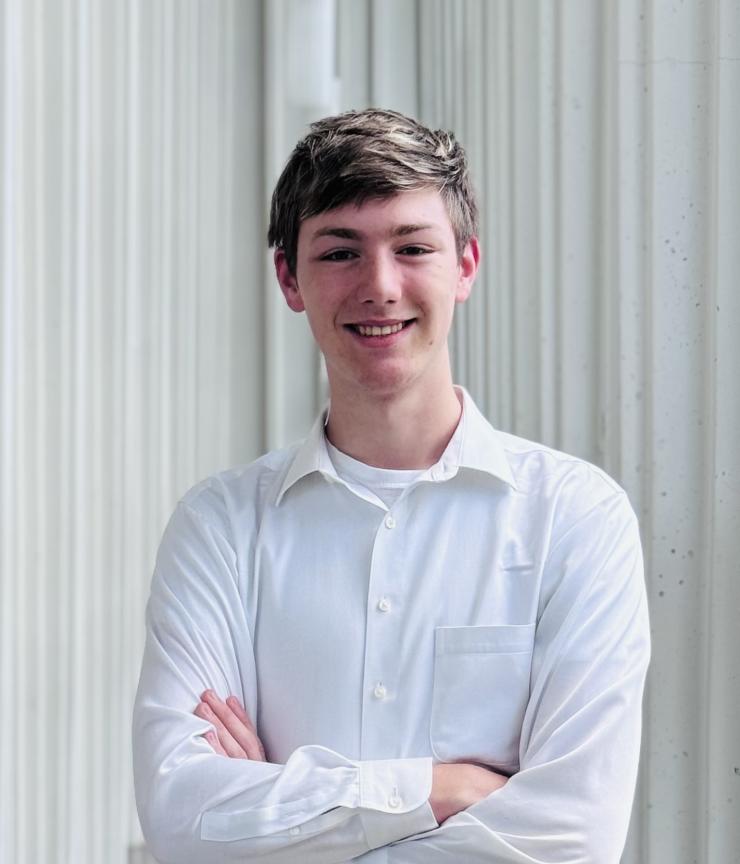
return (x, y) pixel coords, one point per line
(495, 614)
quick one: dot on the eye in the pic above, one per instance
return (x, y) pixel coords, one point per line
(339, 255)
(414, 251)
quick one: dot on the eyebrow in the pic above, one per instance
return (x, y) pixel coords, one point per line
(353, 234)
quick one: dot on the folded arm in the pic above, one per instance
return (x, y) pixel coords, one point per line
(455, 787)
(570, 801)
(196, 806)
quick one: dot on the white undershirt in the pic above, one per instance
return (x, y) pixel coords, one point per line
(388, 484)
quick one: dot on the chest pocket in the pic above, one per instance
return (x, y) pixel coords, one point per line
(481, 689)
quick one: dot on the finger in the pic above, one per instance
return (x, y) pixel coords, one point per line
(241, 713)
(229, 744)
(242, 734)
(212, 739)
(239, 725)
(238, 709)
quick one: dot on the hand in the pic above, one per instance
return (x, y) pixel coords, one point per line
(457, 786)
(235, 734)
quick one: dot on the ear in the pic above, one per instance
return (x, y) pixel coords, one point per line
(288, 282)
(467, 269)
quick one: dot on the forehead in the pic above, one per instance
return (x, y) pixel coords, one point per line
(423, 208)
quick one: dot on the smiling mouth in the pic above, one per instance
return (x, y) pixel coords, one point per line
(378, 329)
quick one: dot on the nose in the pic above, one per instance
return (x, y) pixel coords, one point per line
(380, 282)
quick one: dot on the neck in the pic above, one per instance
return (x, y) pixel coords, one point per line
(409, 429)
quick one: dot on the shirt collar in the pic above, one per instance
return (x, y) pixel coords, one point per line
(481, 447)
(312, 455)
(475, 445)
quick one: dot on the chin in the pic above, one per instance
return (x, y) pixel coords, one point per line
(380, 380)
(386, 386)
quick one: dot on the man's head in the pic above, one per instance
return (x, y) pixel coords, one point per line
(370, 154)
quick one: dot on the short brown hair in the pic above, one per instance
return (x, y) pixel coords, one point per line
(359, 155)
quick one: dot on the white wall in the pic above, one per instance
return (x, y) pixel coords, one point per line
(131, 226)
(145, 345)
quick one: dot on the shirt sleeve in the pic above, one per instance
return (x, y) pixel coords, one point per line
(197, 807)
(571, 799)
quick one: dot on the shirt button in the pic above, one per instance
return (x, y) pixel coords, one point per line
(394, 801)
(295, 831)
(390, 522)
(380, 691)
(384, 604)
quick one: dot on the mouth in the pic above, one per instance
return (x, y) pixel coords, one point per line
(375, 330)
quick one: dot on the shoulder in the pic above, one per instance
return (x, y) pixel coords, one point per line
(214, 527)
(564, 490)
(544, 471)
(592, 545)
(239, 494)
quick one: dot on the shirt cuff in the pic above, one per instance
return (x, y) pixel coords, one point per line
(394, 799)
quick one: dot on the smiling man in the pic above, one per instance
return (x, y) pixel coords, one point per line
(410, 637)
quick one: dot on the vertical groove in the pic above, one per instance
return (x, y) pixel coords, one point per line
(118, 516)
(503, 210)
(150, 229)
(225, 205)
(487, 204)
(547, 220)
(537, 419)
(419, 43)
(465, 121)
(166, 370)
(707, 504)
(63, 678)
(114, 275)
(41, 486)
(20, 374)
(100, 769)
(132, 341)
(371, 54)
(263, 269)
(558, 234)
(96, 646)
(646, 498)
(11, 157)
(510, 137)
(82, 720)
(540, 347)
(439, 66)
(273, 13)
(607, 333)
(600, 348)
(194, 332)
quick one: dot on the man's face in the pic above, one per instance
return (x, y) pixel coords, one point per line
(379, 283)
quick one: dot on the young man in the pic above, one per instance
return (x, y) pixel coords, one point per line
(410, 638)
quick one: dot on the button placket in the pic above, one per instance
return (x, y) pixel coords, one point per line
(383, 638)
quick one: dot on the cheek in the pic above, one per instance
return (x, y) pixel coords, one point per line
(321, 317)
(316, 322)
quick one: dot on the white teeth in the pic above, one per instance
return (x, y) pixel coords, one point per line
(379, 331)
